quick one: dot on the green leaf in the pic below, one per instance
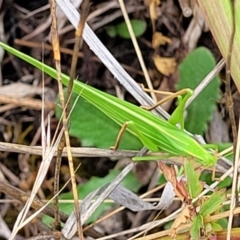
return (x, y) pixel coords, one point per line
(216, 226)
(139, 27)
(95, 129)
(223, 223)
(111, 31)
(197, 224)
(193, 70)
(130, 182)
(194, 185)
(213, 203)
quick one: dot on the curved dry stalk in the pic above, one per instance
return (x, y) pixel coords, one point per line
(137, 49)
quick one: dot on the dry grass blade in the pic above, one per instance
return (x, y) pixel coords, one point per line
(70, 227)
(229, 98)
(122, 208)
(230, 103)
(205, 82)
(106, 57)
(219, 18)
(48, 154)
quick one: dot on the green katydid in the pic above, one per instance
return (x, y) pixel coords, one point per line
(156, 134)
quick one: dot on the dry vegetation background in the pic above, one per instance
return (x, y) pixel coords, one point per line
(173, 29)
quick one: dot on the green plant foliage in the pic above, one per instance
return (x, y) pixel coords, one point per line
(216, 226)
(192, 71)
(207, 178)
(111, 31)
(162, 179)
(213, 203)
(95, 129)
(223, 222)
(197, 224)
(130, 182)
(139, 27)
(194, 186)
(208, 207)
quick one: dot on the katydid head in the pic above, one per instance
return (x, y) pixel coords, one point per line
(209, 160)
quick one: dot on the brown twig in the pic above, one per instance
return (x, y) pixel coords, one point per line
(229, 98)
(66, 108)
(57, 58)
(76, 152)
(84, 10)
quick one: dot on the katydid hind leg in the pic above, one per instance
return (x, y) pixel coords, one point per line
(145, 140)
(214, 178)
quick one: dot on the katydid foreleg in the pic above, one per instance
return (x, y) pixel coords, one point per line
(177, 116)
